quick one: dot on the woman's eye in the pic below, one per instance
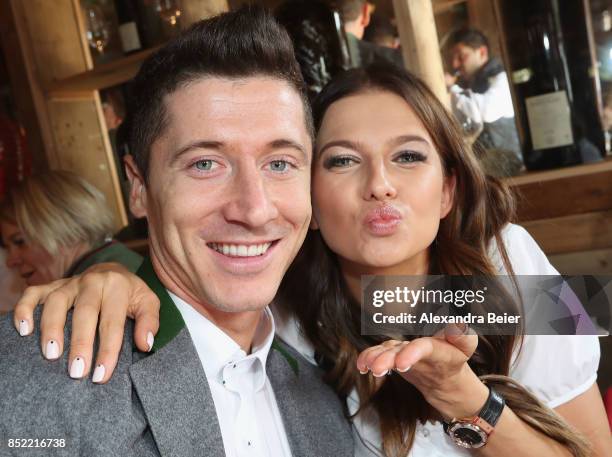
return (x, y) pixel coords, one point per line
(409, 157)
(339, 162)
(204, 165)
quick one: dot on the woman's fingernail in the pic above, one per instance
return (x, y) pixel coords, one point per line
(364, 371)
(150, 340)
(24, 327)
(403, 370)
(77, 368)
(52, 350)
(98, 374)
(380, 375)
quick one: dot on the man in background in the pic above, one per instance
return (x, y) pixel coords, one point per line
(356, 15)
(480, 93)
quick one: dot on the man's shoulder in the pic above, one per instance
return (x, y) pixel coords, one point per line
(39, 399)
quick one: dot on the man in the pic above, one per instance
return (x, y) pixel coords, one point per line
(356, 16)
(481, 96)
(221, 138)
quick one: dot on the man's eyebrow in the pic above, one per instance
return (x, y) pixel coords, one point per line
(283, 143)
(200, 144)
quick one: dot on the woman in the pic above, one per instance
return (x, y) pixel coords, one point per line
(395, 191)
(55, 225)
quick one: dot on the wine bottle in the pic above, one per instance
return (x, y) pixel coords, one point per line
(551, 71)
(127, 17)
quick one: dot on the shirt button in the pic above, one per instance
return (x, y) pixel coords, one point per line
(425, 432)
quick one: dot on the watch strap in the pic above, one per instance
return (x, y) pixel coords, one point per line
(493, 408)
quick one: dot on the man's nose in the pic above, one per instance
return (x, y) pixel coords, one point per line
(250, 202)
(378, 184)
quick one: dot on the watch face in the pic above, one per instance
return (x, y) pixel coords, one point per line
(467, 435)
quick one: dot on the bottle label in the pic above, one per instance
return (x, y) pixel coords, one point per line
(550, 123)
(128, 33)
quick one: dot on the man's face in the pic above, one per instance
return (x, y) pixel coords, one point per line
(228, 192)
(467, 61)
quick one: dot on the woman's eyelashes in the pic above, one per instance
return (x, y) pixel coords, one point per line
(408, 157)
(405, 157)
(339, 161)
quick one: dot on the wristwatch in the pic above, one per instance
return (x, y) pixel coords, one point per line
(473, 432)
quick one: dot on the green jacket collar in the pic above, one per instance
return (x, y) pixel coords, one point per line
(170, 320)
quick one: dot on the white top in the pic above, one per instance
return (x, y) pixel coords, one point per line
(554, 368)
(251, 424)
(494, 104)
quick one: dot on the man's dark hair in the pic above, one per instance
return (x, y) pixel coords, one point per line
(248, 42)
(349, 9)
(469, 37)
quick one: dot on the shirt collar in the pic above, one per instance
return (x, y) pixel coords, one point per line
(217, 350)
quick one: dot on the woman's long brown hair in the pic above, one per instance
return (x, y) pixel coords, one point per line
(314, 288)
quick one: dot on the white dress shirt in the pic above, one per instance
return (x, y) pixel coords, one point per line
(247, 411)
(554, 368)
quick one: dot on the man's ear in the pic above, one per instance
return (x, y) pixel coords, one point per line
(484, 53)
(448, 195)
(138, 189)
(366, 14)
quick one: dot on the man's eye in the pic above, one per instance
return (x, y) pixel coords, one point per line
(409, 157)
(279, 166)
(204, 165)
(339, 162)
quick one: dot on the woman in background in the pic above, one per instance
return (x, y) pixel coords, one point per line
(54, 225)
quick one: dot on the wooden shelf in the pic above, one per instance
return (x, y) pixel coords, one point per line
(101, 77)
(531, 177)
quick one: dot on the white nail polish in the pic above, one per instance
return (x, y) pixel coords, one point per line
(150, 340)
(77, 368)
(52, 350)
(404, 370)
(364, 372)
(98, 374)
(24, 327)
(380, 375)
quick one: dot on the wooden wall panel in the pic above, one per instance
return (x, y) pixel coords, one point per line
(581, 232)
(195, 10)
(598, 262)
(83, 149)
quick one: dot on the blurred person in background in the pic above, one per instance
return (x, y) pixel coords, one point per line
(356, 15)
(482, 101)
(382, 32)
(56, 224)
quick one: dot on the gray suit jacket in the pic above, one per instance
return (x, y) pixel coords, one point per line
(155, 404)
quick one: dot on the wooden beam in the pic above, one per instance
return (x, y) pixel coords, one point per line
(420, 47)
(598, 262)
(573, 192)
(581, 232)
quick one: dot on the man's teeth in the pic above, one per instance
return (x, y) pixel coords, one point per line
(240, 250)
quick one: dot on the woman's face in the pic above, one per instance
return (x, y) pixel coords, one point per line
(379, 189)
(30, 261)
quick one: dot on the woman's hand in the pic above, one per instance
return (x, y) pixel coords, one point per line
(436, 366)
(103, 297)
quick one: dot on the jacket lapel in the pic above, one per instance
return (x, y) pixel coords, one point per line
(172, 386)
